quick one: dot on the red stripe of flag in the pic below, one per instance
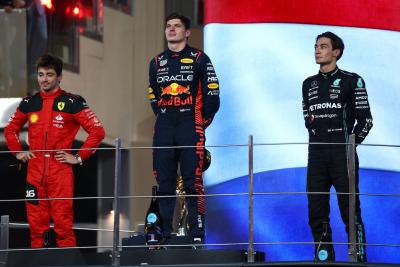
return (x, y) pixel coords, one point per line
(375, 14)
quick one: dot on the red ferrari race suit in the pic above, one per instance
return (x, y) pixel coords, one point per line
(53, 122)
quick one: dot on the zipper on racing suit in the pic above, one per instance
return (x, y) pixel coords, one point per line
(46, 158)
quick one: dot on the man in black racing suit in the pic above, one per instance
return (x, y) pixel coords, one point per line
(335, 105)
(184, 95)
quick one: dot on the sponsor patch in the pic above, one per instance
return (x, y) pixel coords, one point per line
(336, 83)
(60, 105)
(163, 62)
(360, 83)
(326, 106)
(177, 78)
(34, 118)
(175, 89)
(31, 194)
(213, 92)
(212, 79)
(333, 96)
(213, 85)
(59, 117)
(186, 60)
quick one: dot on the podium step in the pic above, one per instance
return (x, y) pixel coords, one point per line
(186, 256)
(159, 258)
(178, 251)
(136, 257)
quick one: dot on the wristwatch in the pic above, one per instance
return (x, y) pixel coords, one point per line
(79, 159)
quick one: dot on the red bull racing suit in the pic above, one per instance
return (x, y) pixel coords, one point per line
(53, 121)
(184, 95)
(335, 104)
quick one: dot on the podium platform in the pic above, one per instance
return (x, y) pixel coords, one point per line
(137, 257)
(157, 258)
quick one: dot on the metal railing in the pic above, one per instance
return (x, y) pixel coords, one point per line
(4, 236)
(5, 224)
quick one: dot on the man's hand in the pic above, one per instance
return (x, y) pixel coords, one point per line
(65, 157)
(8, 9)
(18, 3)
(310, 125)
(24, 156)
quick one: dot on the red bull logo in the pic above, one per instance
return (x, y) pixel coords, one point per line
(200, 149)
(175, 101)
(175, 89)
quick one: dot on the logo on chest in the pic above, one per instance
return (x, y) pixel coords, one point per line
(163, 62)
(186, 60)
(333, 96)
(175, 89)
(34, 118)
(336, 83)
(326, 105)
(58, 121)
(314, 83)
(175, 78)
(60, 105)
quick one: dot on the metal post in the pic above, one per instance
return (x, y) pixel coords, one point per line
(351, 149)
(196, 12)
(115, 252)
(250, 248)
(4, 235)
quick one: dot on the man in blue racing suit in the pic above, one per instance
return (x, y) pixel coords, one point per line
(184, 95)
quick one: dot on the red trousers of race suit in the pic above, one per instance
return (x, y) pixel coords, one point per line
(57, 182)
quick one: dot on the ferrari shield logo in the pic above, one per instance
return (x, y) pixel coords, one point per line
(60, 105)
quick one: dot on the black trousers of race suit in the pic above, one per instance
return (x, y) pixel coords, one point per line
(327, 166)
(179, 129)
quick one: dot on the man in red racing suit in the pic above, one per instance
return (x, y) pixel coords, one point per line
(54, 118)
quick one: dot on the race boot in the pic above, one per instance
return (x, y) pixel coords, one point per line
(323, 251)
(46, 239)
(198, 243)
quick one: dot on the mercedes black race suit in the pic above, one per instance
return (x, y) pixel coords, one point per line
(335, 105)
(184, 95)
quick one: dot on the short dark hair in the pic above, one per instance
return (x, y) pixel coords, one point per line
(337, 42)
(185, 20)
(50, 62)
